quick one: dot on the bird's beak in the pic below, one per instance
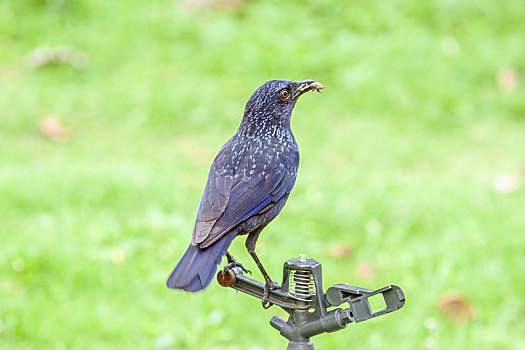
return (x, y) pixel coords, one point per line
(307, 85)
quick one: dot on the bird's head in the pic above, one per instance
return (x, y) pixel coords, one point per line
(275, 99)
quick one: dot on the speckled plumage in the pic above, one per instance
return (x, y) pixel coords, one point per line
(248, 183)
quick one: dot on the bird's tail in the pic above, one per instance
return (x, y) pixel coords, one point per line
(197, 266)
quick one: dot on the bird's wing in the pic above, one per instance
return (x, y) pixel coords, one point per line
(222, 208)
(213, 202)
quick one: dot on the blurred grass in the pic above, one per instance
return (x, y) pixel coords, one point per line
(398, 160)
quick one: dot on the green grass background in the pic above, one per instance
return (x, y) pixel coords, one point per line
(398, 160)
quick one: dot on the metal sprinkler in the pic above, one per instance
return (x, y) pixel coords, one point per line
(301, 295)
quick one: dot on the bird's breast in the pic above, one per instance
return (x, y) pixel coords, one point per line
(249, 156)
(268, 155)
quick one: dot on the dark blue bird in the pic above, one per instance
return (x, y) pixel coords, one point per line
(248, 184)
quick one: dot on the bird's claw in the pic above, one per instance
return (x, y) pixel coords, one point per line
(267, 288)
(266, 304)
(234, 263)
(246, 270)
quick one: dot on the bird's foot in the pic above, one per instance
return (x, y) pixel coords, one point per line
(270, 285)
(232, 262)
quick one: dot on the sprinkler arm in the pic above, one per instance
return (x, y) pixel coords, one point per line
(356, 297)
(235, 278)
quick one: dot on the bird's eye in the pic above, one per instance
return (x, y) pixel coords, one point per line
(285, 94)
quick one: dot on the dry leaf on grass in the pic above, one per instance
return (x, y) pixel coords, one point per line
(508, 79)
(53, 129)
(456, 307)
(340, 250)
(57, 55)
(365, 270)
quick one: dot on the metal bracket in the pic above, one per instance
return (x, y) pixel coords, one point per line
(357, 298)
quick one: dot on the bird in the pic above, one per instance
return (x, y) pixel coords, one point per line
(248, 185)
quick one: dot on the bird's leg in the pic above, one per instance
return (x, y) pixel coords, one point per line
(232, 262)
(270, 285)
